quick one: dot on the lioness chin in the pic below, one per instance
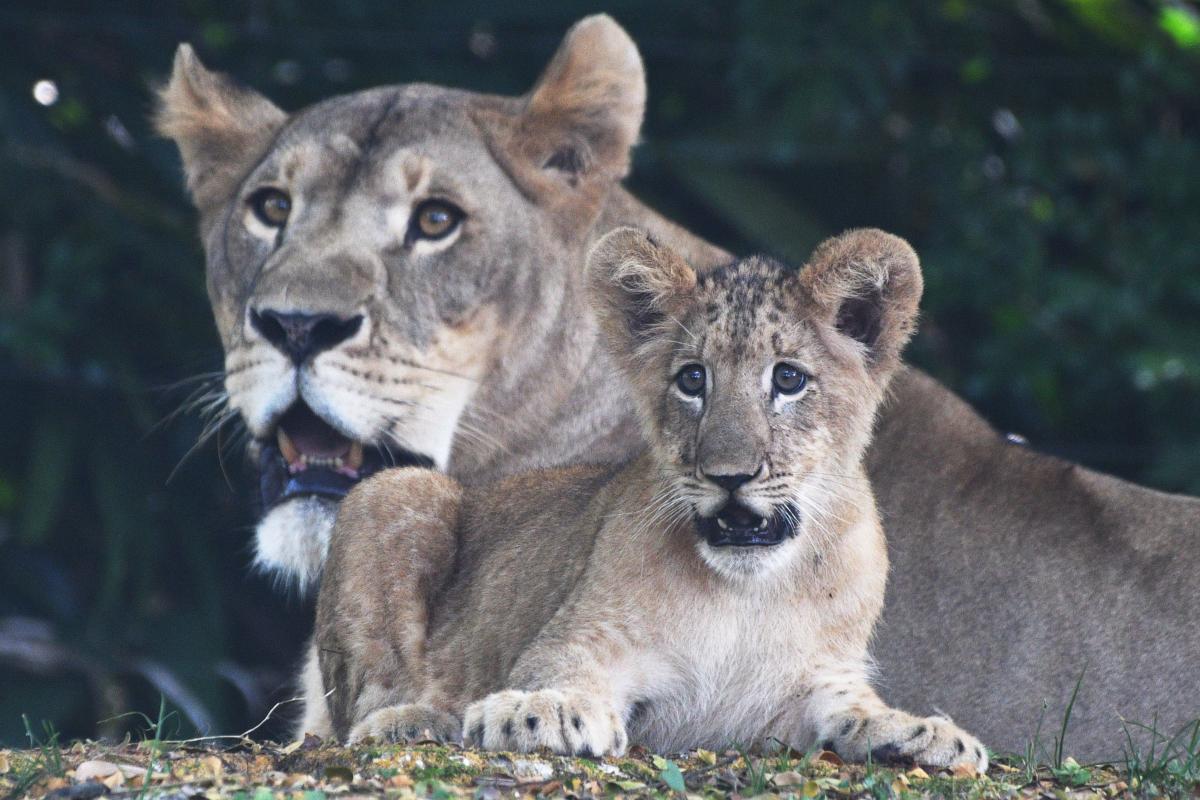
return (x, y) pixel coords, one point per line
(720, 588)
(395, 275)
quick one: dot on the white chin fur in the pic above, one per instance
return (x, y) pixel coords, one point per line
(292, 539)
(746, 562)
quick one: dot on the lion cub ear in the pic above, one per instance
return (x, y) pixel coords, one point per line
(221, 128)
(635, 284)
(867, 284)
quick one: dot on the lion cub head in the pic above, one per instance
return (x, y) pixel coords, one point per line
(757, 384)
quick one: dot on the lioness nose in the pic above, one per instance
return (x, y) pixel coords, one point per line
(730, 483)
(301, 336)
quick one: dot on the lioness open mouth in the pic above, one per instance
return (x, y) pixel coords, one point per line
(308, 456)
(737, 526)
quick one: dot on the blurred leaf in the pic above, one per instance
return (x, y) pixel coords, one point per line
(1181, 23)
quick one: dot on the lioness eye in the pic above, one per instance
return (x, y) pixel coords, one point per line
(271, 206)
(788, 380)
(433, 220)
(690, 380)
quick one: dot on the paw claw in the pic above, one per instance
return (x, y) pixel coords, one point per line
(406, 723)
(527, 721)
(932, 741)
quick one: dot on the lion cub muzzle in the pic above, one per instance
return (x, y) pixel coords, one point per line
(735, 525)
(740, 521)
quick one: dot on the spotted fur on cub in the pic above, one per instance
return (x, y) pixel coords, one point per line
(724, 584)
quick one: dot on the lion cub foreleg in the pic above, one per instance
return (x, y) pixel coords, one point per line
(849, 718)
(568, 701)
(393, 547)
(568, 721)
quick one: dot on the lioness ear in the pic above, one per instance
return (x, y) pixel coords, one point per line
(868, 284)
(220, 127)
(635, 284)
(577, 125)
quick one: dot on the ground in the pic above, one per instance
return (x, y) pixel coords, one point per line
(314, 770)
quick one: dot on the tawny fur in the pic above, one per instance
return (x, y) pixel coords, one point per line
(981, 531)
(600, 616)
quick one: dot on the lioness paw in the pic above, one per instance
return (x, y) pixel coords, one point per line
(895, 736)
(567, 722)
(407, 723)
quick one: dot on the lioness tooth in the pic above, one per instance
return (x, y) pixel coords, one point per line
(291, 454)
(354, 459)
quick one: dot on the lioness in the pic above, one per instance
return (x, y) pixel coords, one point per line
(395, 276)
(719, 588)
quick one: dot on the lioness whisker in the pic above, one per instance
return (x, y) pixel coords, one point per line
(408, 363)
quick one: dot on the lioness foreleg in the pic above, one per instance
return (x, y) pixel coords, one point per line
(407, 723)
(851, 719)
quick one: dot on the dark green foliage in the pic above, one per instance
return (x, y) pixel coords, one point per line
(1043, 157)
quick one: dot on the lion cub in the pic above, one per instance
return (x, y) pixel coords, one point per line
(721, 588)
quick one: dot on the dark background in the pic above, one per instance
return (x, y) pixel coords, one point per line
(1041, 156)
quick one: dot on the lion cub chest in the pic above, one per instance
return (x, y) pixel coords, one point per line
(728, 665)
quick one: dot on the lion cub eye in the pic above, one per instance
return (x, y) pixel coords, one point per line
(690, 380)
(271, 206)
(788, 380)
(433, 220)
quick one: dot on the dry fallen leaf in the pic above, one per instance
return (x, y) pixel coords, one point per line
(212, 767)
(917, 774)
(96, 771)
(788, 779)
(291, 748)
(5, 766)
(964, 771)
(829, 757)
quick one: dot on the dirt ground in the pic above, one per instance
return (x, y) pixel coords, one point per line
(314, 770)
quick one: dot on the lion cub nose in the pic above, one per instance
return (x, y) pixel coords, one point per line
(731, 483)
(301, 336)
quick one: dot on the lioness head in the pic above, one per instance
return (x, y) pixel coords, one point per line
(756, 384)
(380, 264)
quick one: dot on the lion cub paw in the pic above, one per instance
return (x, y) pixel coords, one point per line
(568, 722)
(932, 741)
(407, 723)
